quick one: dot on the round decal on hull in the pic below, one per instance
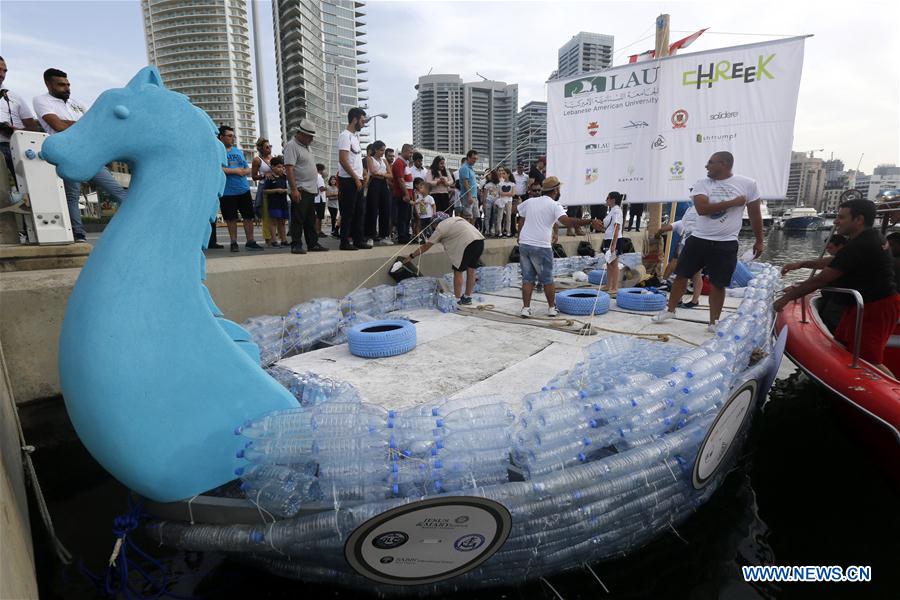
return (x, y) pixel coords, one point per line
(428, 541)
(721, 435)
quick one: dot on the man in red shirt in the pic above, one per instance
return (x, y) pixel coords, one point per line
(401, 190)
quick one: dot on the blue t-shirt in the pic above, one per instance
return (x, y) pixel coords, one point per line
(235, 185)
(467, 181)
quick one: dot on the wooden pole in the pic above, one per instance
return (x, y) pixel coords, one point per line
(655, 221)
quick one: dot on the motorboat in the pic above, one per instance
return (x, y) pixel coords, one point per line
(801, 218)
(767, 218)
(868, 397)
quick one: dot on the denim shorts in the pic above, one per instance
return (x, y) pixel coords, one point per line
(536, 263)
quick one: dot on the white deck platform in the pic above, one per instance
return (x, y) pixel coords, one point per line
(474, 353)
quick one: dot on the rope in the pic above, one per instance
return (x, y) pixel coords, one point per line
(65, 557)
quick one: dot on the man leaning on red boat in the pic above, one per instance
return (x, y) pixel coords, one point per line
(865, 265)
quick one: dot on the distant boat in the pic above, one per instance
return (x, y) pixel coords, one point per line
(766, 217)
(801, 218)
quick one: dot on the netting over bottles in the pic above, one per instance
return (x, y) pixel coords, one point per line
(595, 463)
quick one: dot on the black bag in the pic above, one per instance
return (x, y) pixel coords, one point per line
(585, 249)
(514, 255)
(405, 271)
(559, 251)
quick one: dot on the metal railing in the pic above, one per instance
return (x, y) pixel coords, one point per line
(860, 307)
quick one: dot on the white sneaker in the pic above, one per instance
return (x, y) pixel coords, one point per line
(711, 328)
(526, 312)
(552, 312)
(663, 315)
(386, 242)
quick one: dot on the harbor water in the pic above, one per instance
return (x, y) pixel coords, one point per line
(803, 494)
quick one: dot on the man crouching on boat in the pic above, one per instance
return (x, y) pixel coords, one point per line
(719, 200)
(863, 265)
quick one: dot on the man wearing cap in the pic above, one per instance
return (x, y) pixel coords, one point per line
(303, 180)
(463, 244)
(538, 221)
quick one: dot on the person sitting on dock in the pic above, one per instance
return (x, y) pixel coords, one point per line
(537, 223)
(463, 244)
(831, 307)
(864, 265)
(719, 200)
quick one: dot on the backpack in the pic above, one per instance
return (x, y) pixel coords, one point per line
(585, 249)
(514, 255)
(559, 251)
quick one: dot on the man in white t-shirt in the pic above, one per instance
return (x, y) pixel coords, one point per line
(14, 115)
(719, 200)
(56, 112)
(350, 182)
(538, 221)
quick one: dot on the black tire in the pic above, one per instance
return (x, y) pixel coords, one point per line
(379, 339)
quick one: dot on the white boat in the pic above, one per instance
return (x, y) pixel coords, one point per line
(766, 217)
(802, 218)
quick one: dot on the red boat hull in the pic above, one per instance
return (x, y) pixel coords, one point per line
(867, 397)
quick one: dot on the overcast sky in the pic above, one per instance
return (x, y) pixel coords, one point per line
(849, 95)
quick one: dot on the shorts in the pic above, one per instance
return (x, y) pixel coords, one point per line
(471, 255)
(620, 246)
(320, 210)
(536, 264)
(718, 258)
(278, 213)
(879, 320)
(465, 210)
(239, 203)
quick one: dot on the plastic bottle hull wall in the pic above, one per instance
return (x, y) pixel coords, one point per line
(607, 450)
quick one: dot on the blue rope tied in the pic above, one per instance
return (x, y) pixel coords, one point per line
(116, 581)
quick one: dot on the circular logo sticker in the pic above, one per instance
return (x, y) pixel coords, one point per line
(679, 118)
(470, 542)
(392, 539)
(429, 540)
(721, 435)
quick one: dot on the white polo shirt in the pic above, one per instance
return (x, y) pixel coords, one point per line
(67, 110)
(13, 111)
(350, 142)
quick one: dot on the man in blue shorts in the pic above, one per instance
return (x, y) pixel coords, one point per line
(538, 221)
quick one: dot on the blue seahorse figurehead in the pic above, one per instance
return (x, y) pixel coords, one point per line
(153, 379)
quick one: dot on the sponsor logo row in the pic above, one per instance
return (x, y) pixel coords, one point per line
(679, 120)
(676, 173)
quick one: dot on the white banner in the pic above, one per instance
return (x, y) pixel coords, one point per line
(647, 129)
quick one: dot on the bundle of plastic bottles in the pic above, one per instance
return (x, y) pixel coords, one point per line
(595, 464)
(417, 292)
(270, 334)
(568, 265)
(491, 279)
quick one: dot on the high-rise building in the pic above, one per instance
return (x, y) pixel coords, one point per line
(455, 117)
(806, 181)
(320, 68)
(585, 53)
(489, 109)
(886, 170)
(202, 50)
(438, 114)
(531, 132)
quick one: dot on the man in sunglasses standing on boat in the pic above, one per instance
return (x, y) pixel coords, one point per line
(719, 199)
(864, 265)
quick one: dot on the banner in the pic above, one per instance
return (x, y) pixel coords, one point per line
(647, 129)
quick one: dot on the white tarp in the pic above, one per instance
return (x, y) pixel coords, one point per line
(647, 129)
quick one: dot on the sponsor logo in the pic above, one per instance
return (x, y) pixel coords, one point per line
(470, 542)
(723, 70)
(630, 176)
(593, 127)
(659, 143)
(596, 148)
(603, 83)
(591, 175)
(679, 118)
(676, 171)
(711, 139)
(621, 146)
(723, 115)
(393, 539)
(461, 520)
(636, 125)
(385, 560)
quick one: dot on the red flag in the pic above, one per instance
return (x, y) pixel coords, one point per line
(642, 56)
(685, 42)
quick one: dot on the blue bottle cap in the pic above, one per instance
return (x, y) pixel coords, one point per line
(438, 464)
(439, 444)
(435, 412)
(239, 454)
(395, 489)
(392, 414)
(582, 457)
(594, 423)
(406, 453)
(257, 536)
(434, 451)
(239, 471)
(439, 422)
(586, 441)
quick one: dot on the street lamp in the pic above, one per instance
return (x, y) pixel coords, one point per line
(375, 123)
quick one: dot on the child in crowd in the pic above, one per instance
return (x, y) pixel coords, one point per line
(503, 204)
(424, 206)
(490, 192)
(321, 197)
(276, 191)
